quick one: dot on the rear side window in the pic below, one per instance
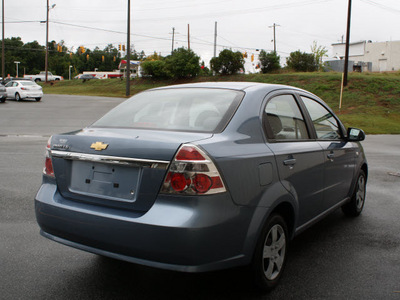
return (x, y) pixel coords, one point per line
(326, 126)
(284, 119)
(182, 109)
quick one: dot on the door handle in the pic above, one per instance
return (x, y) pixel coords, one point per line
(289, 162)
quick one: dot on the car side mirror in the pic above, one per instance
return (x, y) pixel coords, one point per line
(355, 134)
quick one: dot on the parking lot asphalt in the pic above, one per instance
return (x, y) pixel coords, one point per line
(338, 258)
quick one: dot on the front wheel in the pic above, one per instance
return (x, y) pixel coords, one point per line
(356, 204)
(38, 99)
(270, 255)
(17, 97)
(2, 100)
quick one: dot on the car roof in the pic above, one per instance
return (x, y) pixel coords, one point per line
(234, 85)
(21, 80)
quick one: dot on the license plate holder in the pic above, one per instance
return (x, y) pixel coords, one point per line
(106, 181)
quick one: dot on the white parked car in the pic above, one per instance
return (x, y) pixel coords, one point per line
(42, 77)
(23, 89)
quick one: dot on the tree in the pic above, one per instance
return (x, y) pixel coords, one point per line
(227, 62)
(157, 69)
(269, 61)
(301, 62)
(183, 63)
(319, 52)
(153, 57)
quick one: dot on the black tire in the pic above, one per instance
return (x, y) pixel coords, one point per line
(17, 97)
(37, 80)
(38, 99)
(2, 100)
(356, 204)
(270, 254)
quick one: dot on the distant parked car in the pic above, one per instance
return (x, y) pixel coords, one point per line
(202, 177)
(3, 93)
(85, 77)
(23, 89)
(42, 77)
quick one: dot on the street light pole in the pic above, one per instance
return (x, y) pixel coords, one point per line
(3, 61)
(128, 60)
(47, 41)
(16, 63)
(70, 72)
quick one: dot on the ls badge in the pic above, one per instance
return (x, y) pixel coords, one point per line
(98, 146)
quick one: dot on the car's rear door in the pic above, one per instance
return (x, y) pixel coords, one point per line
(10, 89)
(299, 158)
(339, 155)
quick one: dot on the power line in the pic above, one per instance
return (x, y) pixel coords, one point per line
(370, 2)
(15, 22)
(148, 36)
(238, 11)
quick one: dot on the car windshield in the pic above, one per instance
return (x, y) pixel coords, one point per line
(26, 83)
(181, 109)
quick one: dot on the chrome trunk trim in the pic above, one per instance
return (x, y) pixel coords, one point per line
(115, 160)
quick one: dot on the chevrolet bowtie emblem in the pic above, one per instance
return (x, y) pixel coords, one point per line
(98, 146)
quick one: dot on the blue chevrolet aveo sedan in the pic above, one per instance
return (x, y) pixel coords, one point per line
(201, 177)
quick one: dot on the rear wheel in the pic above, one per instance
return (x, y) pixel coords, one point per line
(38, 99)
(270, 255)
(37, 80)
(2, 100)
(17, 97)
(356, 204)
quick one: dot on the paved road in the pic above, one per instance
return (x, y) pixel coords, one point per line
(339, 258)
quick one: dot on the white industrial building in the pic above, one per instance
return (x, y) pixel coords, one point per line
(369, 56)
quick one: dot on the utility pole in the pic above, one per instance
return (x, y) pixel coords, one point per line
(3, 61)
(346, 56)
(274, 26)
(47, 41)
(173, 37)
(215, 40)
(188, 37)
(128, 60)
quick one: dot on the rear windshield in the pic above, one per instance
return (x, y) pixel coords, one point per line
(26, 83)
(182, 109)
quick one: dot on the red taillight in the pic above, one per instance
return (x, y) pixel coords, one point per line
(23, 88)
(179, 182)
(192, 172)
(202, 183)
(189, 153)
(48, 166)
(48, 169)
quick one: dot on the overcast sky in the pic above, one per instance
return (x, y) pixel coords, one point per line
(242, 25)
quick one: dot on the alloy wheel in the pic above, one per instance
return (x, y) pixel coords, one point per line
(360, 195)
(274, 252)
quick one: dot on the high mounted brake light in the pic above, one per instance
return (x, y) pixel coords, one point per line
(192, 172)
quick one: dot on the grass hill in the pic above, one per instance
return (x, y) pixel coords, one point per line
(370, 101)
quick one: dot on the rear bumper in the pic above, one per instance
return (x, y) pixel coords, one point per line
(191, 234)
(31, 94)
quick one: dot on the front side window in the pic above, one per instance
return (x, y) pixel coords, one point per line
(326, 126)
(182, 109)
(285, 119)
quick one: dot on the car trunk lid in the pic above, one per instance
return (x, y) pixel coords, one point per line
(119, 168)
